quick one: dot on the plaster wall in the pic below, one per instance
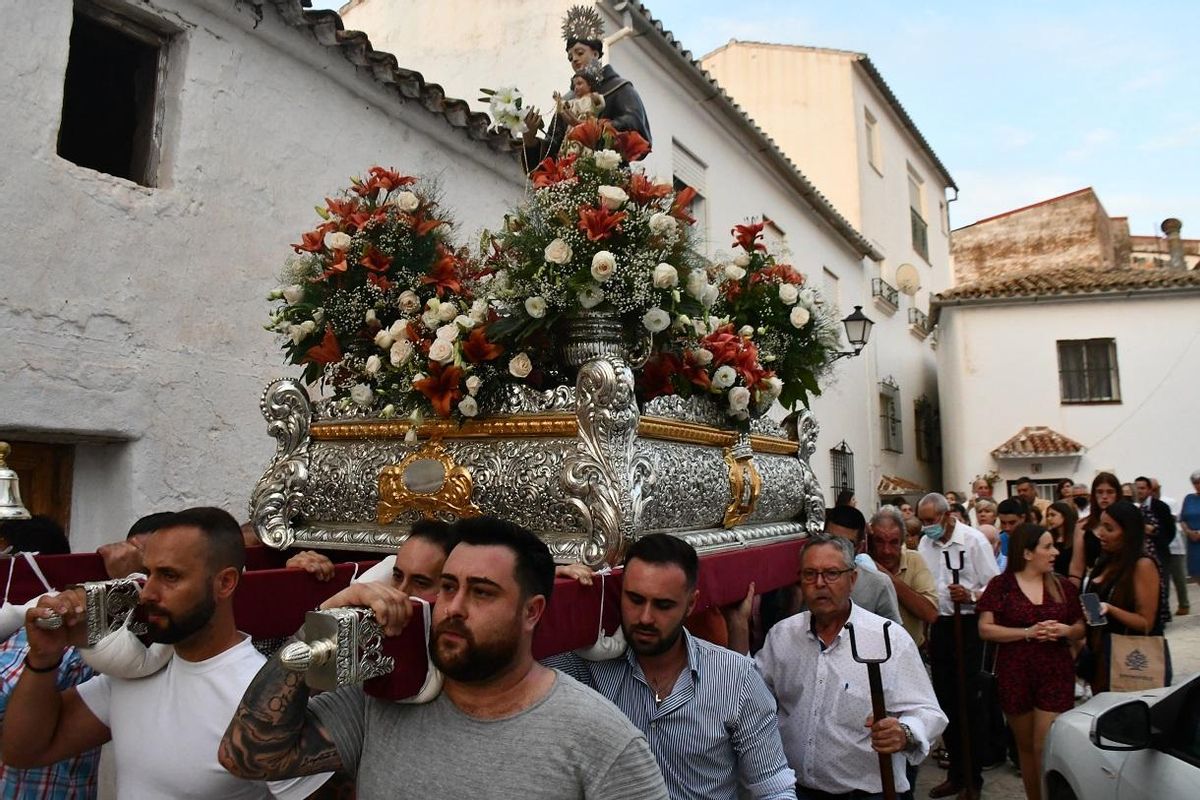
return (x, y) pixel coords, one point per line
(998, 372)
(508, 46)
(130, 319)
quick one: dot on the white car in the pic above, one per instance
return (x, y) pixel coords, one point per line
(1127, 746)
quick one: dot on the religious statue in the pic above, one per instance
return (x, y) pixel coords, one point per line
(609, 96)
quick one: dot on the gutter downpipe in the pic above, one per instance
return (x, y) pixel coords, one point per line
(626, 30)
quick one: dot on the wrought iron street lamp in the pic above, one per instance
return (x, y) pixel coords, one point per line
(858, 331)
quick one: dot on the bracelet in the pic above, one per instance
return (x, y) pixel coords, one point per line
(1027, 634)
(43, 670)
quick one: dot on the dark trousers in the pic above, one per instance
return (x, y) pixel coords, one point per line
(944, 664)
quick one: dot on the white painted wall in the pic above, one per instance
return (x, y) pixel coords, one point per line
(467, 45)
(133, 315)
(998, 372)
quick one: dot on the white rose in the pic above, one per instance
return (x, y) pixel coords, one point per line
(430, 320)
(558, 252)
(608, 159)
(296, 333)
(473, 384)
(703, 356)
(336, 240)
(661, 223)
(447, 311)
(603, 265)
(408, 301)
(742, 259)
(739, 399)
(293, 294)
(665, 276)
(448, 332)
(774, 387)
(468, 407)
(520, 366)
(401, 352)
(799, 316)
(535, 307)
(696, 283)
(591, 296)
(308, 326)
(701, 327)
(724, 377)
(371, 318)
(405, 201)
(432, 304)
(361, 395)
(441, 351)
(788, 293)
(746, 330)
(612, 197)
(711, 293)
(734, 273)
(656, 320)
(463, 321)
(374, 363)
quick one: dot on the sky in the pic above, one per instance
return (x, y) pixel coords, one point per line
(1021, 100)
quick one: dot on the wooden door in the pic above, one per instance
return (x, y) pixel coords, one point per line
(45, 472)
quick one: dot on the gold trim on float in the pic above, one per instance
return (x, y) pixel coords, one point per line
(745, 486)
(544, 426)
(452, 496)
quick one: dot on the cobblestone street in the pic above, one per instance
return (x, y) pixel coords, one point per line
(1004, 782)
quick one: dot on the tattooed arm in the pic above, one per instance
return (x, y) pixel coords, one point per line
(273, 735)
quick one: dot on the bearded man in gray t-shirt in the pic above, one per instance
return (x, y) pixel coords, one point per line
(504, 726)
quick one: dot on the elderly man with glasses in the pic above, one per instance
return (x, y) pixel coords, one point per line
(824, 697)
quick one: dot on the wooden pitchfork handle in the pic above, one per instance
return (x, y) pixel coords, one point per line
(878, 706)
(964, 733)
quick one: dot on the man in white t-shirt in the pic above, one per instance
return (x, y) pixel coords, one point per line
(165, 728)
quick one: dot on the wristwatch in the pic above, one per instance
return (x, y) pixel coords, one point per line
(910, 741)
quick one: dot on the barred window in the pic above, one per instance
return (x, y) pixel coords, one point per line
(841, 462)
(1087, 371)
(926, 425)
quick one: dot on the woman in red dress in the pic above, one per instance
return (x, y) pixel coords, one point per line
(1034, 615)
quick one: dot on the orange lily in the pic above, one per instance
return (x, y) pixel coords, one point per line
(442, 387)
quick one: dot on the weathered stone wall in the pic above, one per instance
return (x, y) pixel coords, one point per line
(130, 317)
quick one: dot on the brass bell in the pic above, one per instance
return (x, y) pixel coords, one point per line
(11, 506)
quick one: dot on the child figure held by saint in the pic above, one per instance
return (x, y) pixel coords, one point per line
(587, 102)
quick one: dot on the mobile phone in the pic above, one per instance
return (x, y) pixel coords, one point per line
(1091, 609)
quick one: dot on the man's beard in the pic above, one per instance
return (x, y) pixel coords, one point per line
(473, 663)
(176, 629)
(653, 648)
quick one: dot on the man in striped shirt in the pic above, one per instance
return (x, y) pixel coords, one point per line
(706, 712)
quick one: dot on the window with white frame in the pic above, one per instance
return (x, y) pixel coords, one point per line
(773, 236)
(871, 130)
(690, 172)
(1087, 371)
(916, 209)
(891, 431)
(112, 108)
(831, 291)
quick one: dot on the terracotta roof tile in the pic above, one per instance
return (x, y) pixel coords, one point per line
(893, 484)
(327, 28)
(1070, 281)
(1040, 442)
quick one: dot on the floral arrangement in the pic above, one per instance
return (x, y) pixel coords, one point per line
(377, 306)
(595, 235)
(769, 301)
(505, 105)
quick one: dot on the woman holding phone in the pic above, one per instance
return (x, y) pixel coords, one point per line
(1126, 580)
(1034, 615)
(1106, 490)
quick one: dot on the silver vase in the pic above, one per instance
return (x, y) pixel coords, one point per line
(585, 335)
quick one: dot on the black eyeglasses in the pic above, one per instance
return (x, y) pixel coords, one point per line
(830, 575)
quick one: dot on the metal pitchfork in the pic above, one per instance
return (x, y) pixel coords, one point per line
(964, 733)
(878, 706)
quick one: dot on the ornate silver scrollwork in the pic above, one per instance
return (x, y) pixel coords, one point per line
(814, 499)
(696, 408)
(606, 479)
(278, 496)
(521, 399)
(107, 604)
(341, 647)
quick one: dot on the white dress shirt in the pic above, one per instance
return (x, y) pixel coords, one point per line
(979, 565)
(824, 700)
